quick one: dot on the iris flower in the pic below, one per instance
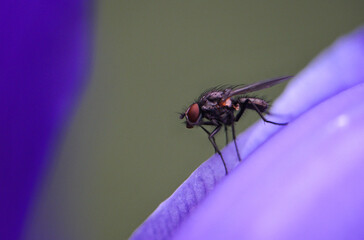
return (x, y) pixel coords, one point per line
(45, 56)
(300, 181)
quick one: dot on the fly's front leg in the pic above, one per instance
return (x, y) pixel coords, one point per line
(209, 123)
(212, 140)
(211, 136)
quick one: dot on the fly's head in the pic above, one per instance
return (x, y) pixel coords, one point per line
(193, 115)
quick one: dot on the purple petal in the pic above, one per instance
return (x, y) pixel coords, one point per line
(44, 59)
(335, 70)
(306, 181)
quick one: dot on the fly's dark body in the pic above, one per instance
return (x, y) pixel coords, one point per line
(224, 107)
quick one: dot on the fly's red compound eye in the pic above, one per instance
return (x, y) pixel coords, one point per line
(193, 113)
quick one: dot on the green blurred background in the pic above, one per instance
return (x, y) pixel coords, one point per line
(126, 149)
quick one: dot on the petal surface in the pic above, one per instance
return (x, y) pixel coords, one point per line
(337, 69)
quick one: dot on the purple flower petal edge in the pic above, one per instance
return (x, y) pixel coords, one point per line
(338, 68)
(306, 182)
(45, 58)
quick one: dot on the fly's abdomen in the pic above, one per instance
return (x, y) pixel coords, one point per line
(258, 102)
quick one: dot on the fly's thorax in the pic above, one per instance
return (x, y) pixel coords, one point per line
(210, 102)
(230, 103)
(211, 98)
(226, 103)
(214, 96)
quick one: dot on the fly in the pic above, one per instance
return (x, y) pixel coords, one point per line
(223, 107)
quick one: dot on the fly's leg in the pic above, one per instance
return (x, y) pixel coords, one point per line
(242, 109)
(262, 117)
(244, 105)
(212, 140)
(226, 134)
(234, 137)
(208, 133)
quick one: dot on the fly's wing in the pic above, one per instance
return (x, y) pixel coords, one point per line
(258, 86)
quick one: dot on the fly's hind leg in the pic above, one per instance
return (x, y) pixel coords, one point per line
(263, 118)
(251, 105)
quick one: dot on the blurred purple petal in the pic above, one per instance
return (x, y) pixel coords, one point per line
(306, 181)
(337, 69)
(44, 60)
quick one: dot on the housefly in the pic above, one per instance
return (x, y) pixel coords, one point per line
(222, 107)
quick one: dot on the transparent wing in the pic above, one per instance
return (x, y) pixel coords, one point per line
(258, 86)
